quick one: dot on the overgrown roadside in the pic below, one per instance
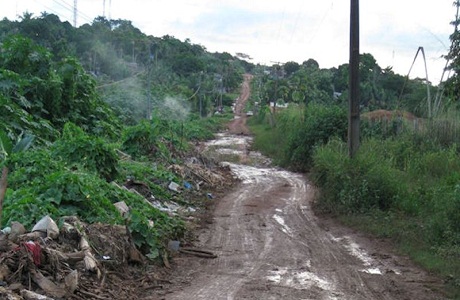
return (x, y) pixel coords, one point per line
(400, 188)
(268, 244)
(131, 199)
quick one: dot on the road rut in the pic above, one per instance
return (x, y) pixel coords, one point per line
(270, 244)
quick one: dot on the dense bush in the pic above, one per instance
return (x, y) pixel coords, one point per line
(294, 133)
(43, 94)
(320, 123)
(355, 186)
(394, 175)
(141, 139)
(79, 150)
(42, 184)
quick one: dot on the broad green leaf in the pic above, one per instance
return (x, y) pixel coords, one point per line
(5, 144)
(24, 143)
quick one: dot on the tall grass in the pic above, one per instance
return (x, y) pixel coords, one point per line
(297, 130)
(410, 183)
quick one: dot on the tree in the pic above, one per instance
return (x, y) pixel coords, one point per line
(453, 84)
(311, 64)
(32, 84)
(291, 67)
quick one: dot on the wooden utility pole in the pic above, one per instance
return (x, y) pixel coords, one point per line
(353, 97)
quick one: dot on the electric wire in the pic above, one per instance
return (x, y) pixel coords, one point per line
(66, 7)
(296, 22)
(280, 25)
(51, 10)
(320, 24)
(70, 8)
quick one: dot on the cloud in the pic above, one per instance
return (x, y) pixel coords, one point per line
(297, 30)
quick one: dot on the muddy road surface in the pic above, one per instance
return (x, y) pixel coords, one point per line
(270, 245)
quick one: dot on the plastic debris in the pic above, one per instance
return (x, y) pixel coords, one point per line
(122, 208)
(6, 230)
(187, 185)
(48, 226)
(174, 186)
(34, 249)
(210, 196)
(174, 245)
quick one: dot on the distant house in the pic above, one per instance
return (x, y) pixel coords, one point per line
(284, 105)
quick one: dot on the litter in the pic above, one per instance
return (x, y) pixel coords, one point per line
(48, 226)
(174, 186)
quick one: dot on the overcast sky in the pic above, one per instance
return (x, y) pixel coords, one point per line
(280, 31)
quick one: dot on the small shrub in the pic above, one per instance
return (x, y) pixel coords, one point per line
(141, 139)
(320, 124)
(355, 186)
(75, 147)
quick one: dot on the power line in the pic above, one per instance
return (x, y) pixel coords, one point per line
(51, 10)
(70, 8)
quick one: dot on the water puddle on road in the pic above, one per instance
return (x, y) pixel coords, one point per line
(235, 149)
(371, 266)
(298, 279)
(224, 140)
(284, 227)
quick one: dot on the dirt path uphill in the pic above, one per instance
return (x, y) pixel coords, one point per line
(270, 245)
(238, 124)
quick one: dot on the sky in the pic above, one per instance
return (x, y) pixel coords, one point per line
(278, 31)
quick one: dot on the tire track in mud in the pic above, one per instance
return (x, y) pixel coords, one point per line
(262, 255)
(270, 245)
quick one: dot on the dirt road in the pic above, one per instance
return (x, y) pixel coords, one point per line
(238, 124)
(270, 245)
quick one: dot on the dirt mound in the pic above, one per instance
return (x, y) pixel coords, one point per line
(387, 115)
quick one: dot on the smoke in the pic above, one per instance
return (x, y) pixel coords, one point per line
(173, 108)
(128, 100)
(129, 94)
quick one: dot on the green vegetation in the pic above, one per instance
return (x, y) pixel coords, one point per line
(403, 184)
(103, 104)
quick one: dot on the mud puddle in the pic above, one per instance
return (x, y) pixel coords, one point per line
(270, 245)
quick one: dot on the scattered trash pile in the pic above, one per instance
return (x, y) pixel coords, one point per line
(197, 180)
(76, 260)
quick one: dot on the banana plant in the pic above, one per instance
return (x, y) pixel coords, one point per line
(7, 148)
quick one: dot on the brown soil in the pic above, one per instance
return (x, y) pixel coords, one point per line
(270, 245)
(238, 124)
(387, 115)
